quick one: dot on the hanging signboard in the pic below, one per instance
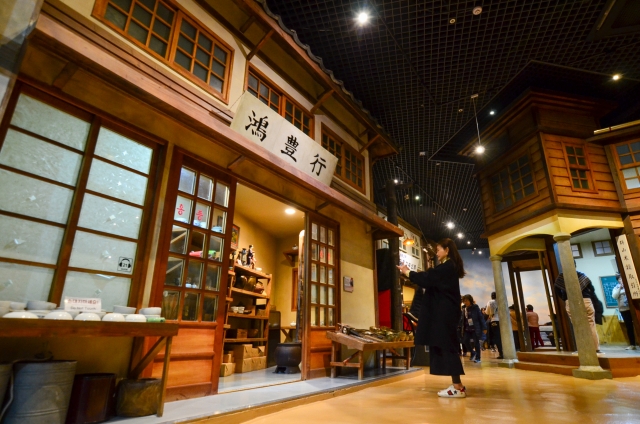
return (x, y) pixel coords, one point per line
(266, 127)
(628, 266)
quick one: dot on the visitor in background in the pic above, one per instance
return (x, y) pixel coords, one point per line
(474, 327)
(494, 327)
(588, 293)
(514, 326)
(623, 306)
(534, 327)
(440, 315)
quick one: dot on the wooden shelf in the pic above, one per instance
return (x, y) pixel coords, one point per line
(291, 256)
(245, 270)
(231, 314)
(229, 299)
(52, 328)
(248, 293)
(244, 340)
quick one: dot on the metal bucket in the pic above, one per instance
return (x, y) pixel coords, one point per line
(5, 376)
(41, 392)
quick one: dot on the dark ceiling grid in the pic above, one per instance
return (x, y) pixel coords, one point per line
(409, 48)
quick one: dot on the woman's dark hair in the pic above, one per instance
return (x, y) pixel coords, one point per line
(469, 298)
(447, 243)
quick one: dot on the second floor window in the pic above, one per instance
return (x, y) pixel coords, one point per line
(350, 167)
(629, 159)
(578, 167)
(513, 183)
(167, 32)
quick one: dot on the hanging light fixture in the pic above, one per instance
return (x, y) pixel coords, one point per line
(408, 242)
(480, 148)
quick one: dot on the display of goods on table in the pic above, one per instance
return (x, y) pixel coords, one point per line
(375, 334)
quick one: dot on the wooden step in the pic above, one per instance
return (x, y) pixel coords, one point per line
(551, 368)
(549, 358)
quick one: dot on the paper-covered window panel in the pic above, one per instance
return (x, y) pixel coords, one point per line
(110, 289)
(34, 198)
(37, 157)
(122, 150)
(29, 241)
(117, 182)
(49, 122)
(100, 253)
(20, 283)
(110, 217)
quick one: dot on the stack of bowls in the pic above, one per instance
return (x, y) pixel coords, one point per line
(40, 308)
(152, 313)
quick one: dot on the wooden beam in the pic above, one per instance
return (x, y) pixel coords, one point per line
(369, 143)
(148, 358)
(237, 161)
(65, 75)
(245, 26)
(322, 206)
(363, 133)
(321, 100)
(260, 44)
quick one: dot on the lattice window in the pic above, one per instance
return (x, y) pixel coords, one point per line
(297, 117)
(578, 167)
(629, 159)
(513, 183)
(350, 167)
(263, 91)
(602, 248)
(576, 251)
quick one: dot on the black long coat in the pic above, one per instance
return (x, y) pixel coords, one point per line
(440, 309)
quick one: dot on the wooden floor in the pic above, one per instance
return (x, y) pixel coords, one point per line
(621, 363)
(496, 395)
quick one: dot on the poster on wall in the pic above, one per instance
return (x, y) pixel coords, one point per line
(263, 126)
(608, 283)
(628, 267)
(347, 283)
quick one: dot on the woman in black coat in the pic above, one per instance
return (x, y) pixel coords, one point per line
(473, 326)
(440, 314)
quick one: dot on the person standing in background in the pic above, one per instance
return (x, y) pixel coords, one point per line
(623, 306)
(494, 327)
(534, 327)
(514, 326)
(473, 325)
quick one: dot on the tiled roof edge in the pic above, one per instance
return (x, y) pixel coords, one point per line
(319, 61)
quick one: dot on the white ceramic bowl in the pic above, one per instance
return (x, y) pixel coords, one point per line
(39, 313)
(40, 305)
(18, 306)
(59, 315)
(72, 313)
(136, 318)
(114, 317)
(87, 316)
(21, 314)
(150, 311)
(124, 310)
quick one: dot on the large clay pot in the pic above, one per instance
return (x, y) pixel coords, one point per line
(288, 358)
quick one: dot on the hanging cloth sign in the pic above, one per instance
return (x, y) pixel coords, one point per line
(266, 127)
(628, 267)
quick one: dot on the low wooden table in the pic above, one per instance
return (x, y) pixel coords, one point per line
(338, 339)
(289, 333)
(138, 330)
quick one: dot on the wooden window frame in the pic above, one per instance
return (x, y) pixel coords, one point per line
(273, 87)
(97, 121)
(621, 167)
(525, 198)
(325, 130)
(577, 167)
(595, 253)
(579, 250)
(180, 14)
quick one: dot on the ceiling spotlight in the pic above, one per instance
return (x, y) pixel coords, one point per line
(452, 20)
(480, 149)
(468, 241)
(395, 181)
(417, 197)
(423, 153)
(437, 163)
(289, 211)
(493, 112)
(616, 77)
(477, 10)
(406, 197)
(460, 235)
(460, 110)
(479, 252)
(363, 18)
(464, 209)
(450, 225)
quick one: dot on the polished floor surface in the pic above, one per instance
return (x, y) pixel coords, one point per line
(496, 395)
(253, 379)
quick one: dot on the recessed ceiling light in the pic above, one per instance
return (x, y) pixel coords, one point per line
(423, 153)
(417, 197)
(452, 20)
(493, 112)
(477, 10)
(460, 235)
(616, 77)
(479, 252)
(460, 110)
(363, 18)
(395, 181)
(437, 163)
(468, 241)
(464, 209)
(480, 149)
(450, 225)
(289, 211)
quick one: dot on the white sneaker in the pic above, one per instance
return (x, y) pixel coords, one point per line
(452, 392)
(630, 348)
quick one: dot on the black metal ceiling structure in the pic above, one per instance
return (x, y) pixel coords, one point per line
(416, 64)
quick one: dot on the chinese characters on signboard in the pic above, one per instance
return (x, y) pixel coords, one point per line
(410, 261)
(628, 266)
(265, 127)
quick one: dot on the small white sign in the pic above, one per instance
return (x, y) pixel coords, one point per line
(82, 304)
(410, 261)
(628, 266)
(265, 127)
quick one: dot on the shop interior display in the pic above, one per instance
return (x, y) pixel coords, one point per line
(39, 309)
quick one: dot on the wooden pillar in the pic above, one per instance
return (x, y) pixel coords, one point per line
(506, 333)
(563, 319)
(516, 305)
(525, 324)
(589, 364)
(549, 303)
